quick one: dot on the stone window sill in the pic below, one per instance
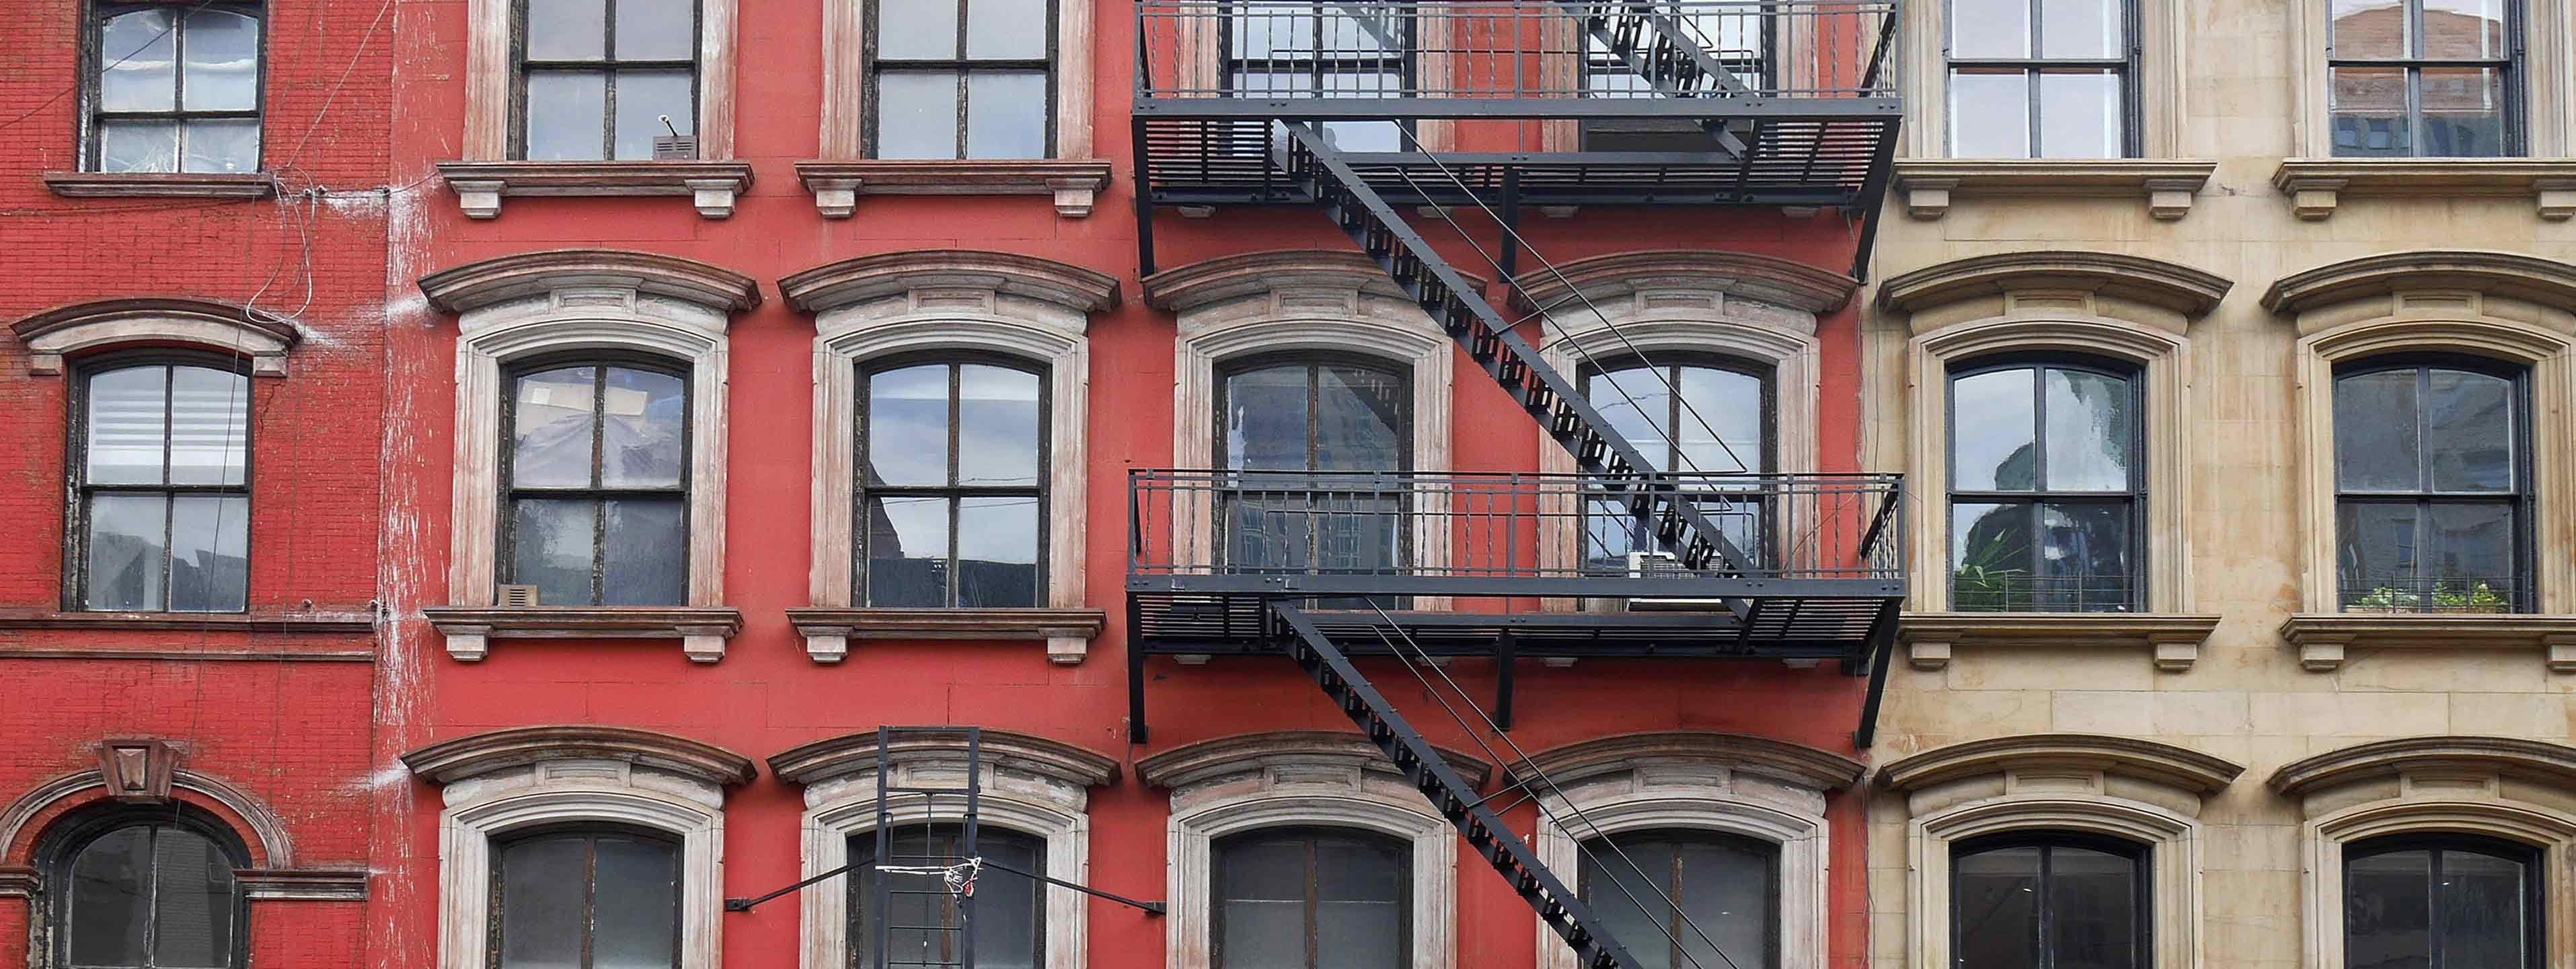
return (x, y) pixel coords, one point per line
(711, 185)
(828, 631)
(112, 185)
(262, 621)
(303, 884)
(2166, 185)
(2317, 185)
(701, 631)
(837, 185)
(2322, 639)
(2173, 640)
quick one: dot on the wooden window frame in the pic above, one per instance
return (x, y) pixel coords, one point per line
(1307, 835)
(506, 527)
(2134, 497)
(607, 67)
(965, 66)
(92, 67)
(953, 492)
(2520, 498)
(589, 835)
(78, 491)
(1675, 938)
(2141, 860)
(61, 850)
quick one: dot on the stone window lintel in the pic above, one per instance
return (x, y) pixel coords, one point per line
(2172, 640)
(712, 186)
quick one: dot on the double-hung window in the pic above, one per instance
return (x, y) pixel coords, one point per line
(2417, 78)
(2432, 487)
(2043, 78)
(952, 483)
(596, 484)
(2046, 484)
(1298, 438)
(602, 79)
(161, 487)
(1311, 898)
(962, 78)
(1292, 49)
(173, 87)
(1706, 418)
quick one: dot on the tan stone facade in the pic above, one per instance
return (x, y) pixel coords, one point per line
(2238, 724)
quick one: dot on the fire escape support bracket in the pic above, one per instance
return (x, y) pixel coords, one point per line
(1878, 655)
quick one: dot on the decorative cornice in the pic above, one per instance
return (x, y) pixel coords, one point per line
(2174, 640)
(256, 622)
(837, 185)
(849, 281)
(702, 630)
(1227, 277)
(2189, 770)
(1766, 278)
(857, 753)
(710, 185)
(2316, 185)
(110, 185)
(520, 275)
(2166, 185)
(449, 761)
(2514, 274)
(2323, 638)
(200, 323)
(1190, 763)
(310, 885)
(19, 881)
(1806, 766)
(2172, 286)
(2515, 756)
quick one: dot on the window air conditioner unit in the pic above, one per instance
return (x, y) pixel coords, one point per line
(1647, 565)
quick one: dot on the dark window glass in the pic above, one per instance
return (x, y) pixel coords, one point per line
(173, 87)
(597, 485)
(2042, 79)
(2449, 903)
(599, 78)
(1281, 421)
(952, 484)
(2048, 903)
(1723, 411)
(1681, 899)
(1009, 910)
(1288, 50)
(2045, 493)
(962, 79)
(586, 900)
(1311, 898)
(2431, 488)
(2416, 78)
(148, 894)
(163, 489)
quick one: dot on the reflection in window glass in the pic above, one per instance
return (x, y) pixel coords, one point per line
(2045, 489)
(164, 489)
(962, 79)
(2462, 903)
(610, 895)
(144, 895)
(2430, 490)
(175, 88)
(1679, 899)
(1723, 412)
(1310, 898)
(1282, 421)
(598, 485)
(2422, 78)
(599, 78)
(2036, 903)
(1009, 911)
(2074, 97)
(951, 492)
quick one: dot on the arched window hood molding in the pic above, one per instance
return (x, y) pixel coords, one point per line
(207, 325)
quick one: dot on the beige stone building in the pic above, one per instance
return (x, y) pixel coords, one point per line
(2242, 487)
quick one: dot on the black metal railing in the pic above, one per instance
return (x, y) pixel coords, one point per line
(1984, 590)
(2453, 594)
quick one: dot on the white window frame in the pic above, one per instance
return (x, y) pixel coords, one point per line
(2162, 78)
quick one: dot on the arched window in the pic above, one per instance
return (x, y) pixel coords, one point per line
(2046, 487)
(1686, 899)
(1309, 898)
(163, 472)
(586, 898)
(2041, 901)
(174, 87)
(1689, 414)
(2432, 483)
(1310, 413)
(1009, 917)
(2442, 902)
(952, 485)
(144, 890)
(596, 480)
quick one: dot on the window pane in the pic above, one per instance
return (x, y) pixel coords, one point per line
(657, 30)
(907, 547)
(2481, 900)
(644, 98)
(648, 553)
(192, 901)
(209, 426)
(222, 62)
(567, 111)
(542, 887)
(2080, 115)
(2375, 432)
(137, 53)
(908, 427)
(2091, 426)
(127, 419)
(1726, 894)
(2369, 112)
(1006, 29)
(1359, 419)
(1995, 909)
(997, 426)
(2388, 909)
(138, 146)
(2473, 545)
(2093, 915)
(1623, 881)
(566, 30)
(1266, 418)
(2083, 28)
(997, 552)
(639, 905)
(2463, 30)
(640, 443)
(2085, 564)
(221, 146)
(126, 556)
(209, 548)
(1261, 890)
(1006, 114)
(110, 886)
(1010, 911)
(550, 438)
(921, 29)
(550, 548)
(1990, 556)
(2367, 29)
(2463, 111)
(916, 114)
(1991, 420)
(1989, 29)
(1637, 404)
(1360, 894)
(2469, 431)
(1721, 421)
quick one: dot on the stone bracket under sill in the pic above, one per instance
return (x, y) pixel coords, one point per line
(837, 185)
(303, 884)
(2316, 186)
(828, 630)
(2324, 639)
(710, 185)
(2166, 185)
(2172, 640)
(702, 631)
(116, 185)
